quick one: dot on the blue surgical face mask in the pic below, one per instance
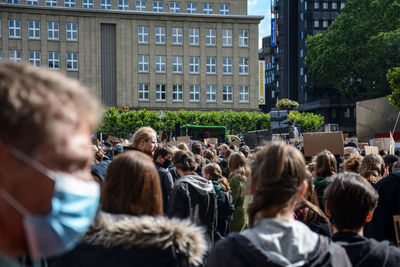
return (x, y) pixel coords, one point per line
(74, 205)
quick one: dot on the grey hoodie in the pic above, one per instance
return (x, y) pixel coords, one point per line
(285, 241)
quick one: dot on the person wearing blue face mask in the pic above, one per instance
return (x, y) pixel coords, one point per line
(47, 195)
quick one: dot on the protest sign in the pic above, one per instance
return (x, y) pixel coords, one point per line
(371, 150)
(351, 139)
(316, 142)
(212, 141)
(183, 139)
(362, 145)
(112, 139)
(382, 143)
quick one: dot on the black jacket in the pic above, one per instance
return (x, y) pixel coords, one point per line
(238, 251)
(364, 251)
(381, 226)
(123, 240)
(166, 182)
(194, 197)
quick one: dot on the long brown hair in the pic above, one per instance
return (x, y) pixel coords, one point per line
(132, 186)
(238, 167)
(277, 174)
(326, 164)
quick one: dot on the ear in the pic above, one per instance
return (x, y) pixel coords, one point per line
(158, 158)
(369, 216)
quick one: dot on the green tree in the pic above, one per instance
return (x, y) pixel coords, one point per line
(393, 77)
(358, 49)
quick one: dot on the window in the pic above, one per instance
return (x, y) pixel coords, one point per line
(301, 16)
(193, 36)
(72, 31)
(325, 5)
(14, 26)
(208, 8)
(305, 78)
(143, 63)
(143, 34)
(157, 6)
(174, 7)
(143, 90)
(334, 5)
(52, 30)
(54, 60)
(210, 37)
(160, 35)
(105, 4)
(243, 66)
(347, 113)
(316, 5)
(305, 5)
(342, 5)
(226, 37)
(194, 64)
(88, 3)
(72, 61)
(12, 1)
(243, 38)
(316, 23)
(191, 8)
(69, 3)
(224, 9)
(302, 35)
(333, 113)
(325, 23)
(211, 93)
(177, 36)
(177, 64)
(1, 54)
(34, 29)
(15, 56)
(51, 2)
(227, 94)
(160, 92)
(141, 5)
(34, 58)
(123, 4)
(32, 2)
(301, 53)
(301, 71)
(210, 65)
(177, 93)
(243, 94)
(194, 93)
(227, 65)
(160, 63)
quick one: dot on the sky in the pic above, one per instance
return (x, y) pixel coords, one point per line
(262, 8)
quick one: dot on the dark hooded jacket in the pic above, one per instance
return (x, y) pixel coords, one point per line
(166, 182)
(124, 240)
(275, 243)
(194, 197)
(382, 224)
(364, 251)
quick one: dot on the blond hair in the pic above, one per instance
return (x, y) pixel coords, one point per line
(144, 133)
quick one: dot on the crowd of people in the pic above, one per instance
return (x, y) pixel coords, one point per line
(68, 201)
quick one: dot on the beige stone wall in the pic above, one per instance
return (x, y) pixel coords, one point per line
(128, 49)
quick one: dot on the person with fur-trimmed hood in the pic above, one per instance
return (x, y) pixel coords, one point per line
(129, 230)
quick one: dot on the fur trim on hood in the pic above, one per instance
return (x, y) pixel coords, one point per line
(128, 231)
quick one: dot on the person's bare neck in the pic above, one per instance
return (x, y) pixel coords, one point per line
(359, 231)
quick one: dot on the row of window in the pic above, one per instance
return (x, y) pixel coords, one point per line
(325, 5)
(194, 65)
(53, 30)
(53, 59)
(194, 36)
(158, 6)
(318, 23)
(194, 93)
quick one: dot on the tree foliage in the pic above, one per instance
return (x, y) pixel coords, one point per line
(358, 49)
(125, 124)
(393, 77)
